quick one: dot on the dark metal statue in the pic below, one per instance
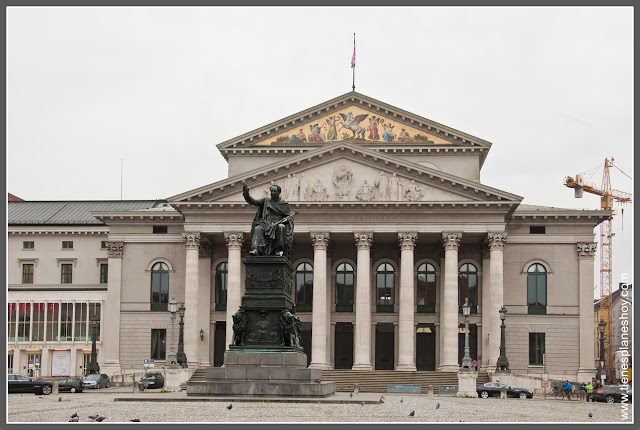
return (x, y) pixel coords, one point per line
(239, 327)
(272, 227)
(289, 329)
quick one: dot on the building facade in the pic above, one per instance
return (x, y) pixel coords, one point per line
(394, 231)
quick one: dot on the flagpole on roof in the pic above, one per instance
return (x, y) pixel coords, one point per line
(353, 62)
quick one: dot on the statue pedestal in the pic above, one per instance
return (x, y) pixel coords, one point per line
(265, 359)
(467, 383)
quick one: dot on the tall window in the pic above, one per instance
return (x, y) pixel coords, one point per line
(158, 344)
(222, 277)
(66, 273)
(344, 288)
(468, 286)
(24, 322)
(426, 288)
(66, 321)
(104, 273)
(385, 288)
(159, 287)
(536, 349)
(80, 333)
(11, 322)
(537, 289)
(304, 287)
(94, 313)
(27, 273)
(52, 322)
(37, 325)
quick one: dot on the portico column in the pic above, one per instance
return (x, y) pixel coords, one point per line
(234, 281)
(496, 243)
(406, 327)
(111, 336)
(485, 309)
(362, 335)
(192, 243)
(449, 306)
(586, 254)
(319, 317)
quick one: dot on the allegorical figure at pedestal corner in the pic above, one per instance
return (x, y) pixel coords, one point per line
(272, 227)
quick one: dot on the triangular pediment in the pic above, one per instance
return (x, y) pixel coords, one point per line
(347, 172)
(356, 118)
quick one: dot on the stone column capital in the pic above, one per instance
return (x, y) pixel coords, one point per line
(319, 240)
(115, 249)
(451, 241)
(191, 240)
(363, 240)
(234, 240)
(407, 240)
(496, 240)
(586, 250)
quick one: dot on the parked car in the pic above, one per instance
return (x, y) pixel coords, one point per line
(492, 389)
(96, 380)
(611, 394)
(153, 380)
(72, 385)
(24, 384)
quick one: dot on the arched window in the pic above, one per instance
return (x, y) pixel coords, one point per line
(537, 289)
(385, 288)
(468, 286)
(159, 287)
(304, 287)
(220, 293)
(426, 288)
(344, 288)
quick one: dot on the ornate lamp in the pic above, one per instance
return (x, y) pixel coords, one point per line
(173, 308)
(466, 360)
(601, 327)
(502, 363)
(181, 357)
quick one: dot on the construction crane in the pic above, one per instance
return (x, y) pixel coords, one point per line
(607, 197)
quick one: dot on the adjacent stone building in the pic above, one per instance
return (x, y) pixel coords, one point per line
(395, 230)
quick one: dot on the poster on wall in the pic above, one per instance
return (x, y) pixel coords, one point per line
(60, 363)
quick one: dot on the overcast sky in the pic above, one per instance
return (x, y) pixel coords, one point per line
(551, 88)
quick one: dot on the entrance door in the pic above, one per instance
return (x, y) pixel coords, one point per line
(343, 356)
(219, 343)
(425, 349)
(384, 346)
(473, 343)
(33, 364)
(86, 359)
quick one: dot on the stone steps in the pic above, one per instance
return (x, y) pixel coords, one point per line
(199, 375)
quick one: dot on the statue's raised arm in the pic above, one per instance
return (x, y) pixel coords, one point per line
(272, 227)
(248, 198)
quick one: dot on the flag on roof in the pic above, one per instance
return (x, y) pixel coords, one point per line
(353, 58)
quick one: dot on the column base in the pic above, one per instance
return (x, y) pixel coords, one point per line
(586, 374)
(406, 367)
(448, 368)
(362, 366)
(323, 366)
(467, 383)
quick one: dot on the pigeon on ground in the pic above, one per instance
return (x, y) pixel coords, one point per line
(99, 419)
(135, 420)
(59, 399)
(362, 403)
(230, 406)
(93, 417)
(74, 419)
(412, 413)
(437, 405)
(74, 415)
(317, 381)
(590, 415)
(350, 394)
(401, 400)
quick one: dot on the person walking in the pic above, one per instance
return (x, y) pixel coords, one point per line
(567, 389)
(589, 389)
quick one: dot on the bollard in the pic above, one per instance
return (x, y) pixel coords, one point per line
(136, 388)
(356, 388)
(503, 392)
(430, 392)
(55, 388)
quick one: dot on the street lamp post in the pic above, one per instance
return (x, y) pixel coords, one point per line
(601, 327)
(93, 366)
(466, 360)
(181, 358)
(502, 363)
(173, 308)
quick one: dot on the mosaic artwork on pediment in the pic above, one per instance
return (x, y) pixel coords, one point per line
(345, 180)
(355, 124)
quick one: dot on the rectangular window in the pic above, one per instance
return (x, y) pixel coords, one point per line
(67, 244)
(159, 229)
(37, 331)
(27, 273)
(66, 322)
(80, 332)
(536, 349)
(104, 273)
(52, 322)
(103, 244)
(24, 322)
(28, 244)
(11, 322)
(536, 229)
(158, 344)
(67, 273)
(94, 314)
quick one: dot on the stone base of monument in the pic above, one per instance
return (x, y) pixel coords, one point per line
(273, 373)
(467, 383)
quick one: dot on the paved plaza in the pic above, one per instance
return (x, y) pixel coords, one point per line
(121, 405)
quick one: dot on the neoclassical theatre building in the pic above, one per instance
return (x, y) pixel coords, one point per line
(394, 231)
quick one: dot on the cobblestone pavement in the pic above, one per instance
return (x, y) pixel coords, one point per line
(32, 408)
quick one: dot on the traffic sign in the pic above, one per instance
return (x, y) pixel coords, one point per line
(146, 361)
(152, 363)
(474, 363)
(37, 361)
(602, 365)
(603, 373)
